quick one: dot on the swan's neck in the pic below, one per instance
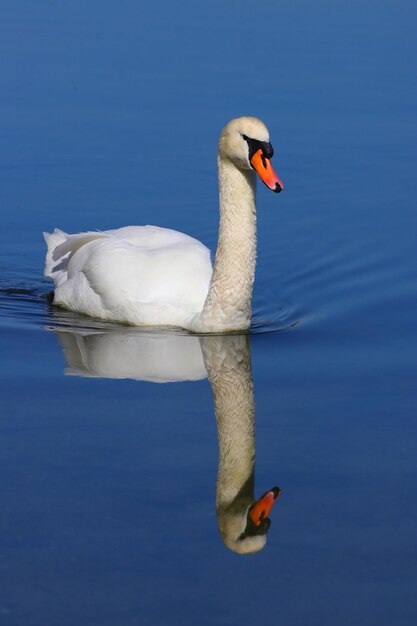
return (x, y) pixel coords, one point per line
(229, 299)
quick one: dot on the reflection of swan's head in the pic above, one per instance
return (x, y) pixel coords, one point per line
(245, 142)
(244, 524)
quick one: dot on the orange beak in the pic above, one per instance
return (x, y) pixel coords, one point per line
(263, 168)
(261, 508)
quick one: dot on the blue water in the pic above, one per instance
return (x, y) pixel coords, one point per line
(109, 115)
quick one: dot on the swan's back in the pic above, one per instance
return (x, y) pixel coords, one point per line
(142, 275)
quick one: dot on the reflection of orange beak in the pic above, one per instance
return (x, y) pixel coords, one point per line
(261, 508)
(263, 168)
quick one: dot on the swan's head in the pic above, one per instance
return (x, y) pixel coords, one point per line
(245, 142)
(243, 528)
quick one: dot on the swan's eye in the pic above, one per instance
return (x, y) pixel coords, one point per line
(255, 145)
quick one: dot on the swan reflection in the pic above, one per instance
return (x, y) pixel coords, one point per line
(243, 522)
(125, 353)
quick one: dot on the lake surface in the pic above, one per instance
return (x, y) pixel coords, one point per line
(110, 474)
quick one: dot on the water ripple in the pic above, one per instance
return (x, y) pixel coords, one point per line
(32, 307)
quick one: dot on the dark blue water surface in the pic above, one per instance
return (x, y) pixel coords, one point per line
(109, 115)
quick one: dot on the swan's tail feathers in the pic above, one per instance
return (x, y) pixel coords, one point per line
(52, 240)
(61, 248)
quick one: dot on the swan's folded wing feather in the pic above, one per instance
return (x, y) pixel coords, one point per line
(151, 237)
(122, 273)
(61, 248)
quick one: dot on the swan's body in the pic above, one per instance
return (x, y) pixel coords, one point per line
(141, 275)
(145, 275)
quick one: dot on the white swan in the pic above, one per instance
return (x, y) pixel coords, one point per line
(150, 276)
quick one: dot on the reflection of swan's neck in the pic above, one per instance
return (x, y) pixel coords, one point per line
(228, 366)
(235, 412)
(228, 303)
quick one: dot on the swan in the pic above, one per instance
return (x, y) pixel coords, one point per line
(152, 276)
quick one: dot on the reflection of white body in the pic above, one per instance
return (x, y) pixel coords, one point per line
(128, 353)
(143, 275)
(149, 276)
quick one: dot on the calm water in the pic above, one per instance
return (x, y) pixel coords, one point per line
(109, 474)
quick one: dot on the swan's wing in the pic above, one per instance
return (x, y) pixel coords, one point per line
(122, 273)
(150, 237)
(62, 246)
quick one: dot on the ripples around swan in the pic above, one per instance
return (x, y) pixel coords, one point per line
(33, 307)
